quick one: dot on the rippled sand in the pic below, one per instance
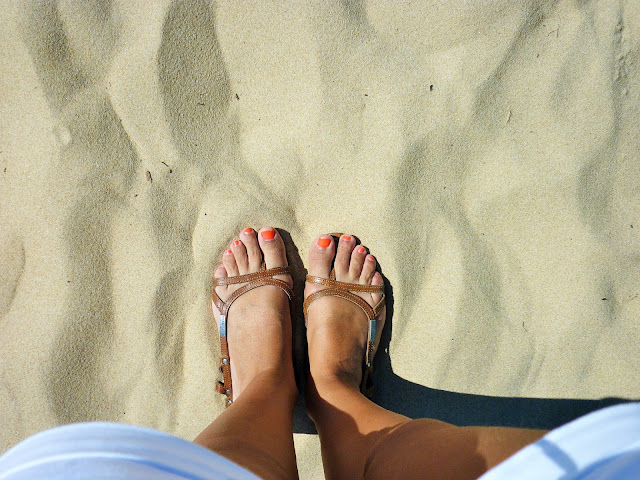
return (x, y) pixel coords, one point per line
(486, 152)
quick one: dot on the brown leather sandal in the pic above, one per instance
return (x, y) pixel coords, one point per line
(253, 280)
(344, 290)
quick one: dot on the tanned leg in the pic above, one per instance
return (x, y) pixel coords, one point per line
(359, 438)
(256, 430)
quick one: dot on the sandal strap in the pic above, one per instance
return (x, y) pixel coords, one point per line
(354, 287)
(224, 305)
(344, 290)
(219, 282)
(253, 280)
(347, 295)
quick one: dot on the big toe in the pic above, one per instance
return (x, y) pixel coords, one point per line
(273, 249)
(321, 256)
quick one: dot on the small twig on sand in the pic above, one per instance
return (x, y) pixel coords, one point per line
(632, 297)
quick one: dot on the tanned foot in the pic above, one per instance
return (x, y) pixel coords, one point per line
(337, 330)
(259, 321)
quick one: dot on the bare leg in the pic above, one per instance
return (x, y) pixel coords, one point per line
(360, 439)
(256, 430)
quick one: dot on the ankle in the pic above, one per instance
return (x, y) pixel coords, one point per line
(329, 384)
(332, 367)
(330, 379)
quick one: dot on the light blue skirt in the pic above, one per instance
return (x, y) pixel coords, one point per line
(115, 451)
(602, 445)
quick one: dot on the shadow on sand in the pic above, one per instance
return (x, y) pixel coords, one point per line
(417, 401)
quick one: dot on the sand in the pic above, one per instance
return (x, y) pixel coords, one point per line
(486, 152)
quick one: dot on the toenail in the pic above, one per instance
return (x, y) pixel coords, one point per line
(323, 242)
(370, 258)
(229, 252)
(268, 234)
(236, 243)
(346, 238)
(247, 231)
(361, 249)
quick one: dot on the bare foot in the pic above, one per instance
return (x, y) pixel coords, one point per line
(259, 321)
(337, 330)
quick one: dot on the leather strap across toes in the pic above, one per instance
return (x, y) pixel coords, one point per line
(252, 280)
(345, 290)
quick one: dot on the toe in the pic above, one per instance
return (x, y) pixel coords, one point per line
(376, 279)
(321, 255)
(343, 255)
(368, 269)
(229, 262)
(272, 248)
(220, 272)
(240, 254)
(254, 254)
(357, 261)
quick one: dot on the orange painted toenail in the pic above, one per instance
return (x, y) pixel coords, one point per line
(236, 243)
(346, 238)
(229, 252)
(268, 234)
(247, 231)
(370, 258)
(361, 249)
(323, 242)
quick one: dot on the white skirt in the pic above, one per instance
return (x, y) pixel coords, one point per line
(115, 451)
(601, 445)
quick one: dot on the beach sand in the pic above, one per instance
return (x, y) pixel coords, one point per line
(487, 153)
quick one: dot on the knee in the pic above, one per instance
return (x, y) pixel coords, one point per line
(424, 449)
